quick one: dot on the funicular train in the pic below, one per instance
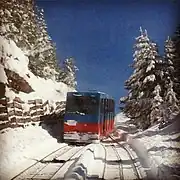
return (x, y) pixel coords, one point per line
(88, 116)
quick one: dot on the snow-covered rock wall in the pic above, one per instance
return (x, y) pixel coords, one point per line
(17, 81)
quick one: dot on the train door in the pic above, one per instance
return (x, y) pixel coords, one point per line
(107, 120)
(104, 115)
(101, 131)
(111, 115)
(106, 112)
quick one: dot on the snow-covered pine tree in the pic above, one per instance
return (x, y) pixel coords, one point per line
(146, 78)
(170, 96)
(68, 75)
(24, 23)
(156, 114)
(17, 22)
(176, 62)
(44, 52)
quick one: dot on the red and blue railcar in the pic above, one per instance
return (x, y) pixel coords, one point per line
(89, 116)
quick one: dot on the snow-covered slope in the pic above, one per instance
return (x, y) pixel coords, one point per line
(120, 118)
(15, 60)
(20, 145)
(162, 145)
(123, 122)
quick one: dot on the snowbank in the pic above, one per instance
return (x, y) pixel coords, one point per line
(19, 145)
(123, 122)
(121, 117)
(163, 147)
(81, 167)
(15, 60)
(90, 164)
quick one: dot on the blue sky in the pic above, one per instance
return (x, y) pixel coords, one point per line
(100, 35)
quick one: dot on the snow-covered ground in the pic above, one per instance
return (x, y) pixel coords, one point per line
(20, 146)
(162, 145)
(164, 150)
(121, 118)
(123, 122)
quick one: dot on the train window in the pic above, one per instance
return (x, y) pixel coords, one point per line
(113, 105)
(82, 104)
(106, 105)
(102, 105)
(110, 105)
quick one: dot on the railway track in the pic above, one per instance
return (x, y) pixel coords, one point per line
(109, 149)
(114, 161)
(50, 165)
(105, 158)
(131, 160)
(119, 160)
(113, 168)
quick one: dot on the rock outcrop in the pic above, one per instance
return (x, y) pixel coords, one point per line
(17, 83)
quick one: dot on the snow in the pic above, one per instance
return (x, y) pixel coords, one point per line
(163, 151)
(82, 167)
(20, 145)
(123, 122)
(120, 117)
(151, 66)
(3, 77)
(15, 60)
(162, 147)
(149, 78)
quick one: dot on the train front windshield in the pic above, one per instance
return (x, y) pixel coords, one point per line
(83, 105)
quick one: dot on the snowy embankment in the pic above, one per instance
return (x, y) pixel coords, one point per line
(20, 147)
(90, 165)
(15, 60)
(79, 170)
(123, 122)
(162, 146)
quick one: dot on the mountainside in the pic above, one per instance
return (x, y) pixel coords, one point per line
(32, 84)
(17, 81)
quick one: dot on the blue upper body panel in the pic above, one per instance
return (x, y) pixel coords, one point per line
(74, 111)
(88, 118)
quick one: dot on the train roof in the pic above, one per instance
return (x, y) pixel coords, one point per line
(102, 94)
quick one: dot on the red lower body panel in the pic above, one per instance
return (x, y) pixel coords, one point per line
(82, 127)
(99, 128)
